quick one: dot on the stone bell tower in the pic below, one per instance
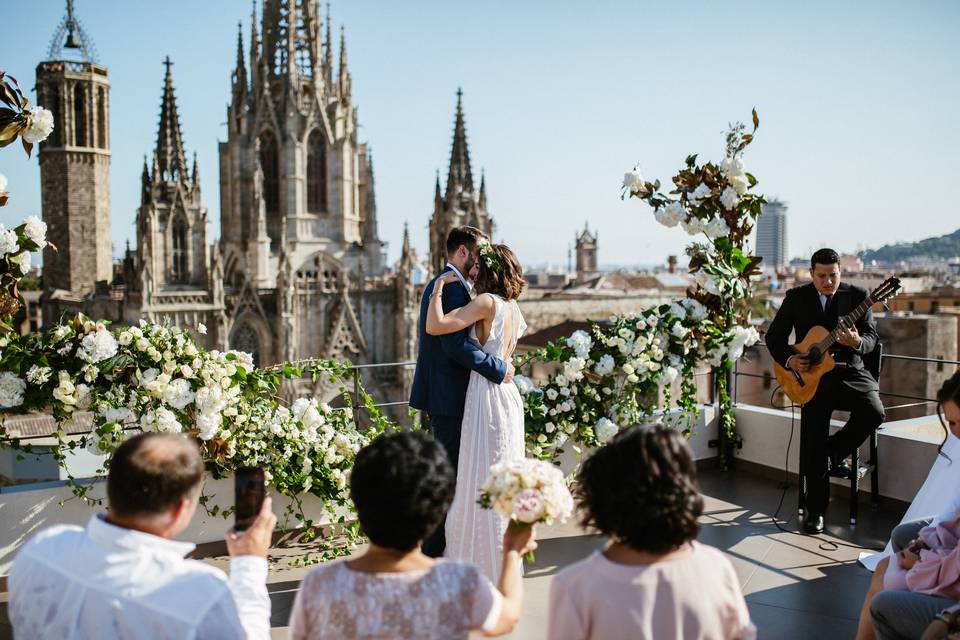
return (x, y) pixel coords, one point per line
(74, 168)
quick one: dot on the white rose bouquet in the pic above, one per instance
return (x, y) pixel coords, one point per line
(527, 492)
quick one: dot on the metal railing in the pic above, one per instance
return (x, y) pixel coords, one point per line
(919, 400)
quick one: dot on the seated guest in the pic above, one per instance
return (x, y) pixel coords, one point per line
(401, 486)
(902, 604)
(653, 580)
(124, 575)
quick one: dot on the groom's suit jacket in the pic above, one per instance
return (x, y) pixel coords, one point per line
(444, 362)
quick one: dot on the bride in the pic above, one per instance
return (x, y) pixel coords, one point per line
(492, 428)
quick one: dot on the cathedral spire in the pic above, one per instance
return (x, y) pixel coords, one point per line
(344, 78)
(169, 155)
(459, 178)
(328, 51)
(406, 241)
(482, 202)
(145, 182)
(196, 173)
(254, 41)
(240, 74)
(437, 195)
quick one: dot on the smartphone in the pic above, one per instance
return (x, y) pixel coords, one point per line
(250, 492)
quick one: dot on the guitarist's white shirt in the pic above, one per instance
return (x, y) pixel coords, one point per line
(823, 301)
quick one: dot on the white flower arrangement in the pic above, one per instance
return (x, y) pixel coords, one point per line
(527, 492)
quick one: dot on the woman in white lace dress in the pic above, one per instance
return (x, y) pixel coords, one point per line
(492, 428)
(401, 485)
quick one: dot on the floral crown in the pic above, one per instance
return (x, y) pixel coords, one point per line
(489, 257)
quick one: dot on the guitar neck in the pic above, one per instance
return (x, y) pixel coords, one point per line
(851, 319)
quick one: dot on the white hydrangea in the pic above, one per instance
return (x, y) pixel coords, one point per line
(605, 429)
(605, 365)
(160, 419)
(693, 225)
(742, 337)
(739, 184)
(729, 198)
(716, 228)
(8, 241)
(524, 384)
(38, 375)
(573, 368)
(178, 394)
(633, 181)
(670, 215)
(97, 346)
(35, 229)
(581, 343)
(701, 193)
(12, 387)
(114, 414)
(679, 331)
(39, 125)
(731, 167)
(668, 375)
(678, 311)
(698, 311)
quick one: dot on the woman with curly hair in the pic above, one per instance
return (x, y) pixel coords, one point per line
(492, 427)
(401, 485)
(653, 580)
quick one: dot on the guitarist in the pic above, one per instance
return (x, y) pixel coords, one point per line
(848, 387)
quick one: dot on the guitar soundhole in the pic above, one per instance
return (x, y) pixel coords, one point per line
(815, 355)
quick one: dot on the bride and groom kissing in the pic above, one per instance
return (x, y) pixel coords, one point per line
(463, 386)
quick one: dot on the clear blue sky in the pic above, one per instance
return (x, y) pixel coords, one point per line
(858, 104)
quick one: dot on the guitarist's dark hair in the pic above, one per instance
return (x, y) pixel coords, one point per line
(824, 256)
(949, 392)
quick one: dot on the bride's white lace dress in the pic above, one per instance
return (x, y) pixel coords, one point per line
(492, 431)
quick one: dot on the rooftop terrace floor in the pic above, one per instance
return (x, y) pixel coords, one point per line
(796, 586)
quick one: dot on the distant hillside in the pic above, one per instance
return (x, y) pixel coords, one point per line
(946, 246)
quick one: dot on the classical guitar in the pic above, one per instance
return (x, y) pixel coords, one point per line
(801, 387)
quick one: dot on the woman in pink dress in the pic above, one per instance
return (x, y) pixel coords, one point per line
(654, 580)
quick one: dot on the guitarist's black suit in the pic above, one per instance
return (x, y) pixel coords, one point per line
(849, 387)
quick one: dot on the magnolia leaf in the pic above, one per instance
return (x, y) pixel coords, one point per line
(27, 146)
(3, 198)
(756, 119)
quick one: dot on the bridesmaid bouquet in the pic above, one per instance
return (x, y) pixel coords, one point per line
(527, 492)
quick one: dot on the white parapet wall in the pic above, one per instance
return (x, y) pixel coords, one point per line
(906, 448)
(29, 508)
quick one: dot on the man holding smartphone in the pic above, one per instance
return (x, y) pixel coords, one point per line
(125, 575)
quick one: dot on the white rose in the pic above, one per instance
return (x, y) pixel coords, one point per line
(202, 329)
(581, 343)
(628, 368)
(633, 181)
(729, 198)
(550, 427)
(8, 241)
(35, 229)
(552, 393)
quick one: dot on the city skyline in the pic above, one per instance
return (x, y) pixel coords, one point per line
(605, 90)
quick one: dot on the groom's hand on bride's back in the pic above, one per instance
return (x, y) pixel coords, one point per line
(507, 379)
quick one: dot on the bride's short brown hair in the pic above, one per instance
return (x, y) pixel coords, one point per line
(500, 273)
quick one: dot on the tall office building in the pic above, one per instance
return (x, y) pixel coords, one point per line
(772, 235)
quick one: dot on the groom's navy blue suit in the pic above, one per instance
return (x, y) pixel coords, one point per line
(440, 381)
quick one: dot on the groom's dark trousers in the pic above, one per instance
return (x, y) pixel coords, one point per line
(440, 382)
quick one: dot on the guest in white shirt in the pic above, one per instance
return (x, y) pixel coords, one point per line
(124, 575)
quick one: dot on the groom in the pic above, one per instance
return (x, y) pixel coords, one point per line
(444, 362)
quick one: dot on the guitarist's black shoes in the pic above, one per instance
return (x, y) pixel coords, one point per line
(840, 468)
(813, 523)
